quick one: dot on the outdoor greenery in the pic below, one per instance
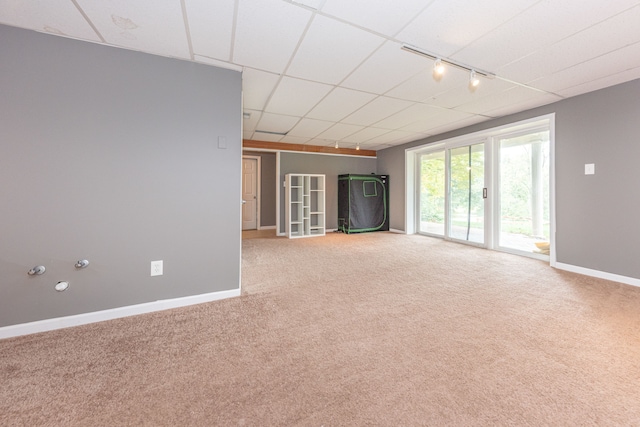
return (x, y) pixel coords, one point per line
(467, 168)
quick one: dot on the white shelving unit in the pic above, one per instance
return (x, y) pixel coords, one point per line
(305, 211)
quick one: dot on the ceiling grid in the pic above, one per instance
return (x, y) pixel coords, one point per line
(320, 71)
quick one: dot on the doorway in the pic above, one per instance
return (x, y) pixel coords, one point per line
(250, 192)
(492, 189)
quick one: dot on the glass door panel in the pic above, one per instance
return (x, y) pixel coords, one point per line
(523, 206)
(466, 201)
(432, 193)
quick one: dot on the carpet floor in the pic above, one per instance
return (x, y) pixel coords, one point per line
(377, 329)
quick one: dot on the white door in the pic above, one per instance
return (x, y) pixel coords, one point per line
(249, 193)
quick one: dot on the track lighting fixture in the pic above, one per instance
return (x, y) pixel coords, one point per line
(438, 67)
(336, 144)
(357, 146)
(440, 63)
(473, 79)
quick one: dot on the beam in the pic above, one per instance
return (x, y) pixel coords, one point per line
(281, 146)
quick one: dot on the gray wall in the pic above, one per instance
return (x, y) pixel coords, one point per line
(112, 155)
(267, 187)
(329, 165)
(596, 215)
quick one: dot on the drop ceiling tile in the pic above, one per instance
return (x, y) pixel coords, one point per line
(339, 131)
(276, 123)
(383, 16)
(388, 67)
(267, 33)
(261, 136)
(528, 104)
(331, 50)
(211, 27)
(446, 26)
(437, 117)
(257, 86)
(622, 59)
(296, 97)
(59, 17)
(540, 26)
(132, 25)
(458, 124)
(396, 137)
(620, 30)
(378, 109)
(497, 100)
(250, 123)
(424, 86)
(365, 135)
(412, 114)
(310, 128)
(601, 83)
(463, 95)
(339, 103)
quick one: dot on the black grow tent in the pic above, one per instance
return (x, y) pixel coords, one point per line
(363, 203)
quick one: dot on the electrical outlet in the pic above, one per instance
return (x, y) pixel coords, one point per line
(156, 268)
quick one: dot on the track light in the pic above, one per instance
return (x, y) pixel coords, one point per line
(336, 144)
(440, 63)
(357, 146)
(473, 79)
(438, 67)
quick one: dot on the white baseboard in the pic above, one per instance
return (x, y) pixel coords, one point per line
(599, 274)
(395, 230)
(267, 227)
(114, 313)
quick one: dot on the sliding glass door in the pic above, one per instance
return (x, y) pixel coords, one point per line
(466, 202)
(523, 196)
(494, 193)
(451, 193)
(432, 193)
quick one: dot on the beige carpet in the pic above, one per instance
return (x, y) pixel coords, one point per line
(376, 329)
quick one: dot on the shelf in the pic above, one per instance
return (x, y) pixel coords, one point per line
(305, 198)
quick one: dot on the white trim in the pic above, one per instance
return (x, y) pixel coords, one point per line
(267, 227)
(114, 313)
(410, 178)
(599, 274)
(278, 231)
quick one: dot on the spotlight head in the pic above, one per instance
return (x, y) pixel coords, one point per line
(474, 81)
(438, 67)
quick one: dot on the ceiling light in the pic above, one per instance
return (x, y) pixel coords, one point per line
(447, 62)
(336, 144)
(358, 146)
(438, 67)
(473, 79)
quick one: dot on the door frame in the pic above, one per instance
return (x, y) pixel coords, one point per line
(412, 177)
(258, 189)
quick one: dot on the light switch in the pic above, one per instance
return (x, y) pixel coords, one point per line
(589, 169)
(222, 142)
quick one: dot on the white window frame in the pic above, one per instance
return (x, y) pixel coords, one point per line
(488, 136)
